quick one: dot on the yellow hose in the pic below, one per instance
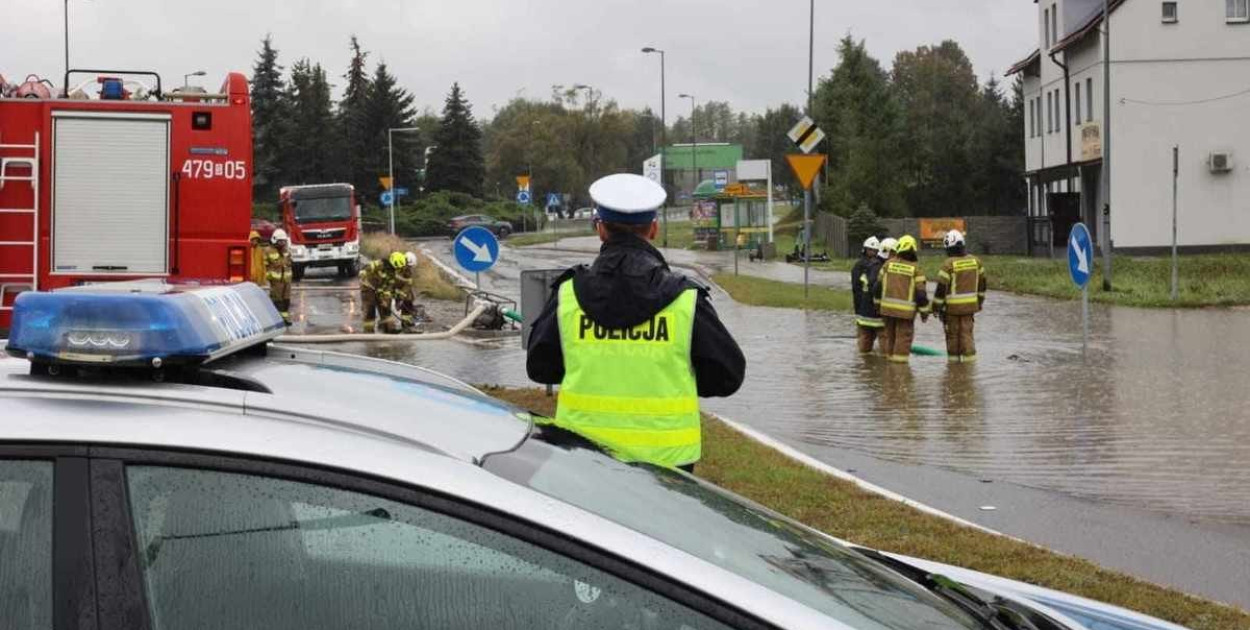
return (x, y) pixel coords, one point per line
(340, 338)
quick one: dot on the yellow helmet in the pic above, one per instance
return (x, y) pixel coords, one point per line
(907, 244)
(254, 236)
(398, 260)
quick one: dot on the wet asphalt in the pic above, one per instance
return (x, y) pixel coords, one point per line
(1134, 453)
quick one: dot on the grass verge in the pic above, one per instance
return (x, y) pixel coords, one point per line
(430, 280)
(1205, 280)
(540, 238)
(840, 508)
(762, 292)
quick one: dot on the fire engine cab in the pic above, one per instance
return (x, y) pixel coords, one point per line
(118, 180)
(323, 222)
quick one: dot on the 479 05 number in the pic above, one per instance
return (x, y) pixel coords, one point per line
(208, 169)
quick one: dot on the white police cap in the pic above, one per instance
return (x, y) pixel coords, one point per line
(627, 198)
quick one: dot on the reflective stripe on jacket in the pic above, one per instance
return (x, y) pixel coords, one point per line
(277, 266)
(863, 279)
(902, 289)
(631, 390)
(961, 286)
(374, 278)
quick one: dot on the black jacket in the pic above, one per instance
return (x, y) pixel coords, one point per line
(627, 285)
(862, 292)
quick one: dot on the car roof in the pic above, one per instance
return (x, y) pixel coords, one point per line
(424, 443)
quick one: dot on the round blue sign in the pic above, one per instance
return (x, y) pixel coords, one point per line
(1080, 255)
(476, 249)
(388, 197)
(523, 197)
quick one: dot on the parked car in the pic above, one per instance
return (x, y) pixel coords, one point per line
(264, 226)
(204, 478)
(500, 228)
(584, 213)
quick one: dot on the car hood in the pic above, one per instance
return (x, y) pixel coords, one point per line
(1077, 612)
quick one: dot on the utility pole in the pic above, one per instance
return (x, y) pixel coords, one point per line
(1106, 146)
(390, 168)
(807, 193)
(1176, 171)
(663, 138)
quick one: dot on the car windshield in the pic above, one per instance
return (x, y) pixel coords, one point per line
(320, 209)
(726, 530)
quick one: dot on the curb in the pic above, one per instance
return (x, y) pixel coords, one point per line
(460, 279)
(811, 462)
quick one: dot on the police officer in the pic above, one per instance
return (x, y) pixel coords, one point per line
(863, 277)
(901, 295)
(377, 289)
(278, 273)
(959, 296)
(632, 343)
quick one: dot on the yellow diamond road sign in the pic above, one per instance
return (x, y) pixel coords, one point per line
(809, 143)
(806, 167)
(800, 129)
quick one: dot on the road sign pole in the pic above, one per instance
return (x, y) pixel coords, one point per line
(1176, 169)
(737, 235)
(390, 171)
(477, 279)
(1084, 319)
(807, 238)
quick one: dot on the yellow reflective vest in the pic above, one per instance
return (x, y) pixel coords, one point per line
(961, 286)
(902, 286)
(633, 390)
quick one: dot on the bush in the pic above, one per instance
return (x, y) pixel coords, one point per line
(267, 211)
(862, 224)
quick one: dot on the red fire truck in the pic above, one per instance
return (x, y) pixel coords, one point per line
(122, 183)
(323, 222)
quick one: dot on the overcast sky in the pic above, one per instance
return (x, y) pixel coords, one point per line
(752, 53)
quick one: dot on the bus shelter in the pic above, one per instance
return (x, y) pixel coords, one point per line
(736, 215)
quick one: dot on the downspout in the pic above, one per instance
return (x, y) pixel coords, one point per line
(1067, 111)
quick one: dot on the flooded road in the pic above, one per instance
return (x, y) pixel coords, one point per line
(1148, 429)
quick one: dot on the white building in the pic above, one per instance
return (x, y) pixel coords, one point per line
(1180, 76)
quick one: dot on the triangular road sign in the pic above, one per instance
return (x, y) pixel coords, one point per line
(806, 167)
(386, 182)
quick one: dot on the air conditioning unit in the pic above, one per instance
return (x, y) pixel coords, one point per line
(1220, 161)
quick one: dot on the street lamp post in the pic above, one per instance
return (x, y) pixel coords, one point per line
(694, 148)
(663, 135)
(186, 78)
(390, 156)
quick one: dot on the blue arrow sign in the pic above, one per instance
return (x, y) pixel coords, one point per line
(388, 197)
(1080, 255)
(523, 197)
(476, 249)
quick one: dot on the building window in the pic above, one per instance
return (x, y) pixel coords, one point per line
(1078, 102)
(1169, 13)
(1046, 24)
(1238, 10)
(1054, 22)
(1048, 113)
(1089, 99)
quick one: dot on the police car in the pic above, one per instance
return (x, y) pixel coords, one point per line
(164, 466)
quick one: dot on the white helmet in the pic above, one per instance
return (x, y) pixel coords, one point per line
(872, 243)
(278, 236)
(953, 238)
(412, 259)
(888, 246)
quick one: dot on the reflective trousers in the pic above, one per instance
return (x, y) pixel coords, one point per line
(280, 294)
(960, 347)
(896, 339)
(866, 338)
(374, 307)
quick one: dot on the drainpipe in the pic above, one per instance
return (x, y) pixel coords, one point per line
(1067, 111)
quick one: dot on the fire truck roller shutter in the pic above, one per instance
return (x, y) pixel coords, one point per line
(110, 196)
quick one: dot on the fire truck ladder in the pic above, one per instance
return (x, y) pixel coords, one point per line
(19, 163)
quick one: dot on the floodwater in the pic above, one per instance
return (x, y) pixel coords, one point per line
(1155, 415)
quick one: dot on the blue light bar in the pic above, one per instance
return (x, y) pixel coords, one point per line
(147, 323)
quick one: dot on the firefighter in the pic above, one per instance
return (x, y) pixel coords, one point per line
(863, 276)
(411, 314)
(901, 295)
(632, 344)
(888, 248)
(959, 296)
(257, 250)
(377, 290)
(278, 272)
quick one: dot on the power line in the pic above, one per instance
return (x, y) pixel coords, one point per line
(1194, 102)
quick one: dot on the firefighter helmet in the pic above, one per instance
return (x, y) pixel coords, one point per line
(954, 238)
(907, 244)
(398, 260)
(254, 236)
(872, 243)
(412, 259)
(888, 246)
(279, 236)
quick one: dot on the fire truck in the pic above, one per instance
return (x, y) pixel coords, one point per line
(323, 223)
(117, 179)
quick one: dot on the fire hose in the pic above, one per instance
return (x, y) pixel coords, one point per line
(339, 338)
